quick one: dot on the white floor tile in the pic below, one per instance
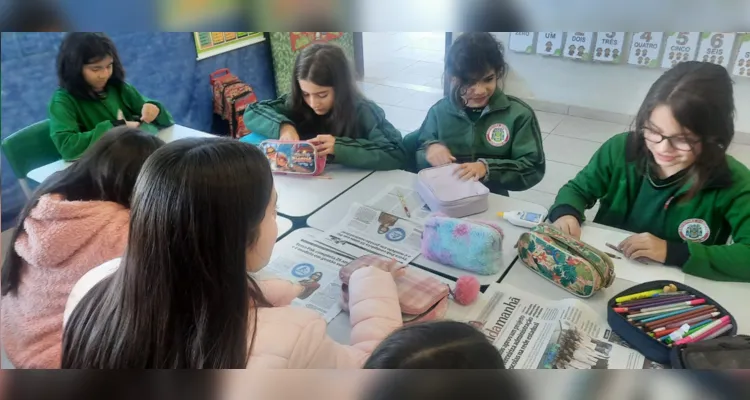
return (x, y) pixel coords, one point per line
(435, 83)
(534, 196)
(419, 100)
(588, 129)
(390, 95)
(548, 121)
(408, 77)
(426, 69)
(569, 150)
(741, 152)
(556, 175)
(404, 119)
(420, 54)
(383, 69)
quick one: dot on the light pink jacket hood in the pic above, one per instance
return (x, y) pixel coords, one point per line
(62, 240)
(295, 337)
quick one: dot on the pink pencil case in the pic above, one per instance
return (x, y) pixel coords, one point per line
(445, 193)
(293, 157)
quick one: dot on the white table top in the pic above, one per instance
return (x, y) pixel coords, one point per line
(301, 196)
(174, 132)
(284, 225)
(331, 214)
(732, 296)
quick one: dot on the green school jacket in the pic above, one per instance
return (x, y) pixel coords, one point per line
(378, 145)
(506, 136)
(703, 224)
(75, 124)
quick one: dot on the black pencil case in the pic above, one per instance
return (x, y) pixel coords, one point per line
(638, 339)
(725, 352)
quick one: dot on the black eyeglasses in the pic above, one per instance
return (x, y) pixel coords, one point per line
(679, 142)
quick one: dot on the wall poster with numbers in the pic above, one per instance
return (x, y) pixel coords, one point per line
(522, 42)
(578, 45)
(645, 48)
(716, 47)
(208, 44)
(608, 47)
(680, 46)
(549, 43)
(742, 61)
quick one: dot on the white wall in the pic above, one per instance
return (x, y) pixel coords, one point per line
(615, 88)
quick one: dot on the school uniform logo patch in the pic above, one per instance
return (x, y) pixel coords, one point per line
(694, 230)
(498, 135)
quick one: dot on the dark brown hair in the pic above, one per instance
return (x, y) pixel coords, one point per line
(78, 49)
(700, 96)
(325, 64)
(106, 172)
(469, 59)
(181, 297)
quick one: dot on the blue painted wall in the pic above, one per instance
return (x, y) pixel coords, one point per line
(161, 65)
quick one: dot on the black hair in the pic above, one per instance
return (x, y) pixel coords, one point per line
(78, 49)
(451, 384)
(436, 345)
(325, 64)
(107, 171)
(181, 297)
(469, 58)
(701, 99)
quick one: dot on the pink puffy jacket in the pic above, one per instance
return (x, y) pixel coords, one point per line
(295, 337)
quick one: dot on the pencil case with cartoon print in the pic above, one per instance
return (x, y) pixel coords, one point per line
(293, 157)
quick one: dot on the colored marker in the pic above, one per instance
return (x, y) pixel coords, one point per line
(664, 332)
(711, 331)
(676, 315)
(656, 301)
(707, 328)
(690, 320)
(637, 296)
(650, 314)
(697, 326)
(723, 330)
(671, 305)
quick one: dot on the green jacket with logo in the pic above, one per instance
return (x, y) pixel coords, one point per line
(723, 206)
(376, 145)
(506, 136)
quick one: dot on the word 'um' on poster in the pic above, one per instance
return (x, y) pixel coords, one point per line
(578, 45)
(645, 48)
(549, 43)
(608, 47)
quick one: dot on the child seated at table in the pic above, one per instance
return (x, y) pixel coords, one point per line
(436, 345)
(76, 220)
(493, 137)
(671, 181)
(93, 96)
(326, 108)
(181, 296)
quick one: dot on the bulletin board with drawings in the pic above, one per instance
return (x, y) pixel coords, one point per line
(208, 44)
(643, 49)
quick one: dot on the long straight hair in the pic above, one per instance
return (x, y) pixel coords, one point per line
(469, 58)
(181, 297)
(700, 96)
(325, 64)
(107, 171)
(78, 49)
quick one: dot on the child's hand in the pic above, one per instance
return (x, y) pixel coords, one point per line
(474, 170)
(569, 225)
(438, 154)
(392, 266)
(132, 124)
(324, 144)
(149, 112)
(644, 245)
(288, 133)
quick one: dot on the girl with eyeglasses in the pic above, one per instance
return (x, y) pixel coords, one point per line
(671, 180)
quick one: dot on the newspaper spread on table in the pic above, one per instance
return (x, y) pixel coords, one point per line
(314, 263)
(377, 232)
(534, 333)
(389, 200)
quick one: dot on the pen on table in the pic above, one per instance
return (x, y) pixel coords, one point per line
(617, 249)
(403, 203)
(616, 257)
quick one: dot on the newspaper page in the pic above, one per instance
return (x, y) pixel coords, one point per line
(314, 264)
(534, 333)
(389, 200)
(377, 232)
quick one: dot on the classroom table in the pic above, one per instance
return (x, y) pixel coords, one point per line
(339, 329)
(300, 196)
(363, 192)
(170, 134)
(731, 295)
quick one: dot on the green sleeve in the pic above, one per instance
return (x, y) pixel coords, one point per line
(591, 183)
(65, 130)
(730, 262)
(428, 134)
(526, 166)
(133, 99)
(266, 117)
(380, 149)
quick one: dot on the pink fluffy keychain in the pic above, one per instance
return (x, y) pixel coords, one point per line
(466, 290)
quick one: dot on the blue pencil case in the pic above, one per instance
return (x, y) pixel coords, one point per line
(652, 348)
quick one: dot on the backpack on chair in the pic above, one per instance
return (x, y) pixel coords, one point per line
(231, 97)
